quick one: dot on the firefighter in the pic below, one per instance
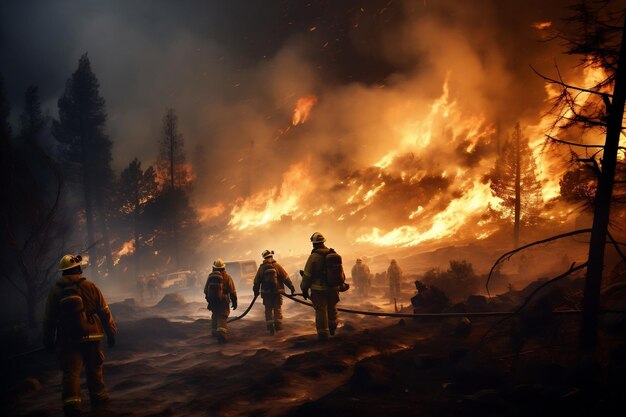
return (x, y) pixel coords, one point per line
(271, 279)
(361, 277)
(219, 292)
(314, 285)
(394, 275)
(76, 319)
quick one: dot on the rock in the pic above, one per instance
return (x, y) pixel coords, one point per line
(370, 376)
(477, 303)
(171, 301)
(463, 328)
(29, 385)
(426, 361)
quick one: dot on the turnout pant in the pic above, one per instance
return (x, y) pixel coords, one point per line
(273, 311)
(219, 318)
(71, 359)
(325, 304)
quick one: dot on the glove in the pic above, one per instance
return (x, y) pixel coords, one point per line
(344, 287)
(256, 292)
(305, 294)
(111, 340)
(234, 304)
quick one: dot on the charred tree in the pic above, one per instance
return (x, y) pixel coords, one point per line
(599, 36)
(84, 147)
(31, 221)
(172, 172)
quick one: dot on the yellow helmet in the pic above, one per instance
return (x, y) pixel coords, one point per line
(267, 253)
(71, 261)
(359, 260)
(317, 237)
(219, 264)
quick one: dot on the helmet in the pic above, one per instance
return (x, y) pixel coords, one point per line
(267, 253)
(71, 261)
(419, 285)
(393, 261)
(317, 237)
(219, 264)
(359, 260)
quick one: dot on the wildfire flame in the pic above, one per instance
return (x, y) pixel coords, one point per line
(303, 108)
(128, 248)
(271, 205)
(542, 25)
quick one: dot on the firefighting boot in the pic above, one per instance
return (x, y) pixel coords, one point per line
(278, 325)
(270, 327)
(322, 337)
(221, 338)
(332, 330)
(71, 411)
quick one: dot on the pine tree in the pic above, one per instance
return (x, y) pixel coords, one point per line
(84, 147)
(138, 188)
(514, 180)
(171, 159)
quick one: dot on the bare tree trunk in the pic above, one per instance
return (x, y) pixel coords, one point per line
(593, 280)
(518, 188)
(92, 250)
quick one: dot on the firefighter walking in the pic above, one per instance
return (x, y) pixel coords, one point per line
(394, 275)
(220, 294)
(361, 277)
(322, 280)
(270, 281)
(76, 320)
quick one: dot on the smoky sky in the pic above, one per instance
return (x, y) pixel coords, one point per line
(233, 70)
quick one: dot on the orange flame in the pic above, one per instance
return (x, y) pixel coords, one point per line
(128, 248)
(271, 205)
(301, 113)
(542, 25)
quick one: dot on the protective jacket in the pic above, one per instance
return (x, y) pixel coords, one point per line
(360, 274)
(314, 276)
(96, 310)
(283, 277)
(229, 291)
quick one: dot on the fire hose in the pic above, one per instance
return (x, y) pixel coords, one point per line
(246, 311)
(416, 315)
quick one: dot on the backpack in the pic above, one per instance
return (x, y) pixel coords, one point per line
(269, 281)
(76, 324)
(214, 290)
(335, 277)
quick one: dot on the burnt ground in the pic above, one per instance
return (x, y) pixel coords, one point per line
(166, 364)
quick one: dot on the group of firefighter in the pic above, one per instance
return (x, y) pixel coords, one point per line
(77, 318)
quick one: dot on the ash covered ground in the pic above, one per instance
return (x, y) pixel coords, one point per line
(166, 364)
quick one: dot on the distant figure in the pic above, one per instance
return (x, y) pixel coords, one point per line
(76, 319)
(429, 299)
(153, 286)
(271, 279)
(323, 276)
(361, 276)
(219, 292)
(394, 275)
(141, 287)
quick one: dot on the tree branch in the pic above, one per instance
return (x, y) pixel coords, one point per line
(616, 245)
(568, 86)
(508, 255)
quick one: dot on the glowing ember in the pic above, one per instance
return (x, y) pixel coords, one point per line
(542, 25)
(301, 113)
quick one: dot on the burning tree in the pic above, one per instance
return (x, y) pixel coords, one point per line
(137, 189)
(84, 147)
(33, 230)
(600, 36)
(514, 180)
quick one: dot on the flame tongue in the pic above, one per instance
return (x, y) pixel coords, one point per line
(301, 113)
